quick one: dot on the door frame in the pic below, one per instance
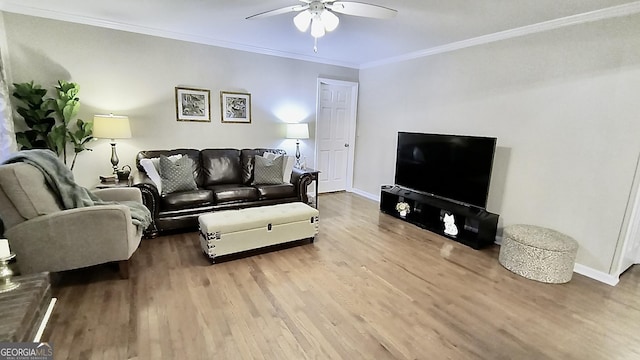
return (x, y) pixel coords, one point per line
(632, 233)
(352, 123)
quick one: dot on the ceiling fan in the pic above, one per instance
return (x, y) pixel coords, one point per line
(319, 14)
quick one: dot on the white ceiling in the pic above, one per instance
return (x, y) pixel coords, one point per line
(358, 42)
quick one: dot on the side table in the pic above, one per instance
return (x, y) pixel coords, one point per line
(25, 311)
(314, 177)
(114, 184)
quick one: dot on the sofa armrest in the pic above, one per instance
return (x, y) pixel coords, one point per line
(74, 238)
(301, 180)
(150, 199)
(119, 194)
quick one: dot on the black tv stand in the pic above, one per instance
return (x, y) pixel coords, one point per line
(476, 227)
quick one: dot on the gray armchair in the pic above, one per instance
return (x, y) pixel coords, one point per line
(46, 238)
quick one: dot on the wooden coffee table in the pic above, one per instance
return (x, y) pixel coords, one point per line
(24, 311)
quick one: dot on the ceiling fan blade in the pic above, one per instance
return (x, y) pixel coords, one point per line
(283, 10)
(362, 9)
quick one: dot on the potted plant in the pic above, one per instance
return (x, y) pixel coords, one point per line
(37, 116)
(44, 131)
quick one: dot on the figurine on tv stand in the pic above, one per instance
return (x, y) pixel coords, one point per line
(450, 227)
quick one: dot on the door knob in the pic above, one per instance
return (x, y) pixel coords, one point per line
(346, 145)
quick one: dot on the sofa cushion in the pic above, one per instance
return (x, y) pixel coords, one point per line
(220, 166)
(186, 200)
(276, 191)
(176, 176)
(268, 171)
(233, 193)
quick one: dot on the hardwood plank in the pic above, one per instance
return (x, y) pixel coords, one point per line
(371, 286)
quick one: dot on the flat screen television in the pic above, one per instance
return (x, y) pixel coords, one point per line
(453, 167)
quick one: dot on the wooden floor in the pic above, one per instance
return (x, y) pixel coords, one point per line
(370, 287)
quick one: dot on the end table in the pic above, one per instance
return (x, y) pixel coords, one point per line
(115, 184)
(314, 177)
(25, 311)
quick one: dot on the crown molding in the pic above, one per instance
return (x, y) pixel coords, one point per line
(596, 15)
(61, 16)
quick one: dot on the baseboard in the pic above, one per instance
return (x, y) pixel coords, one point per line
(596, 275)
(586, 271)
(365, 194)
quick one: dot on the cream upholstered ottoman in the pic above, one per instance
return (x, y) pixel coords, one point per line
(233, 231)
(538, 253)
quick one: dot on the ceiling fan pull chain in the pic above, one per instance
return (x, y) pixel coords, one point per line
(315, 45)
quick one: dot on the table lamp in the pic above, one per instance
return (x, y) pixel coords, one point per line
(299, 132)
(112, 127)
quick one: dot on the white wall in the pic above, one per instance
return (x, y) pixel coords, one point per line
(135, 75)
(563, 104)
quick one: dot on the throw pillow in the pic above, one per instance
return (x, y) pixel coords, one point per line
(267, 172)
(173, 158)
(287, 165)
(151, 166)
(288, 168)
(176, 176)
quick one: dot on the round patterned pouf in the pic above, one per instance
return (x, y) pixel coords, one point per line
(538, 253)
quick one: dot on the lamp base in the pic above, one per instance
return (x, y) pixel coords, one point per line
(5, 275)
(114, 157)
(298, 164)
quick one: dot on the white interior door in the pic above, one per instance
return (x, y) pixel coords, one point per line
(335, 134)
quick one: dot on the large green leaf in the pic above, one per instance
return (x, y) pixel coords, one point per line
(26, 139)
(58, 138)
(70, 110)
(81, 135)
(32, 95)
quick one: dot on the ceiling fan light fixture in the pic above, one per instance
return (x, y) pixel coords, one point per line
(329, 19)
(320, 17)
(317, 27)
(302, 21)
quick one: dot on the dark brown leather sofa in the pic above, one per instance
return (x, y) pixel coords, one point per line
(224, 178)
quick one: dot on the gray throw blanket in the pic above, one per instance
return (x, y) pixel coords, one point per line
(70, 194)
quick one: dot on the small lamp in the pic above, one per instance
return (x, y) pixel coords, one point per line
(298, 132)
(112, 127)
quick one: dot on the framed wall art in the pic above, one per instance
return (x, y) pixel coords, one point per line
(193, 104)
(235, 107)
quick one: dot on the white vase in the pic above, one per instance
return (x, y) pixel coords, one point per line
(403, 213)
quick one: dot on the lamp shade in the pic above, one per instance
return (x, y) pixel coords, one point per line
(111, 127)
(298, 131)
